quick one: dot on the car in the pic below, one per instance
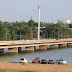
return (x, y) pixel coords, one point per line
(56, 61)
(61, 61)
(36, 60)
(43, 61)
(50, 62)
(23, 60)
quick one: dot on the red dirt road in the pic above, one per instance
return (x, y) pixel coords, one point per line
(36, 67)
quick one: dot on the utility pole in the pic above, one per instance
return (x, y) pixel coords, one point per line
(38, 22)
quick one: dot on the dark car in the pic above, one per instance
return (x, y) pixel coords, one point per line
(36, 60)
(50, 62)
(43, 61)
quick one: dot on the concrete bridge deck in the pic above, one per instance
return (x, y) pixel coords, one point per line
(30, 44)
(20, 42)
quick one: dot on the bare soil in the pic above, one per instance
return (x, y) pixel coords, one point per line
(36, 67)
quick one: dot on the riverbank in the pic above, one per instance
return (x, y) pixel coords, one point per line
(17, 67)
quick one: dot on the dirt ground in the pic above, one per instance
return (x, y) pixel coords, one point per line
(36, 67)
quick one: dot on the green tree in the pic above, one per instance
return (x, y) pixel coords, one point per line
(4, 34)
(31, 23)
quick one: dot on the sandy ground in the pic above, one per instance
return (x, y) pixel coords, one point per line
(36, 67)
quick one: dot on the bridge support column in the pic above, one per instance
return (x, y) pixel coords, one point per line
(62, 45)
(14, 50)
(43, 47)
(54, 46)
(36, 47)
(30, 48)
(2, 50)
(23, 49)
(69, 45)
(5, 50)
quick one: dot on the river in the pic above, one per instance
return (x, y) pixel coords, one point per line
(65, 54)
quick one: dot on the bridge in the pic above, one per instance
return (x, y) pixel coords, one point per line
(31, 45)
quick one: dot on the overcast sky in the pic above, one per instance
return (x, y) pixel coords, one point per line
(22, 10)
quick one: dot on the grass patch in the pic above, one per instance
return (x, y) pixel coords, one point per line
(5, 70)
(2, 70)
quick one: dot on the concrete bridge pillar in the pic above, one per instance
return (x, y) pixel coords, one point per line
(62, 45)
(36, 47)
(30, 48)
(55, 46)
(2, 50)
(19, 49)
(43, 47)
(14, 50)
(23, 49)
(5, 50)
(69, 44)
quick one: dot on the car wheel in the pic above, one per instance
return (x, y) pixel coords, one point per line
(39, 61)
(53, 63)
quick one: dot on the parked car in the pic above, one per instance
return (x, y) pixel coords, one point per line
(56, 61)
(43, 61)
(61, 61)
(23, 60)
(50, 62)
(36, 60)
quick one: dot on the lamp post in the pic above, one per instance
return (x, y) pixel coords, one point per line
(38, 22)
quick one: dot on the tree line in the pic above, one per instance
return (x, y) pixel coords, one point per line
(28, 30)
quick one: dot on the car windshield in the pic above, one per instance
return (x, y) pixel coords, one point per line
(35, 59)
(60, 60)
(56, 60)
(50, 60)
(43, 59)
(22, 58)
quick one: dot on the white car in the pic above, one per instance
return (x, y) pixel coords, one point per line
(23, 60)
(61, 61)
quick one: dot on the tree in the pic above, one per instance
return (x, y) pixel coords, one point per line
(4, 34)
(31, 23)
(35, 31)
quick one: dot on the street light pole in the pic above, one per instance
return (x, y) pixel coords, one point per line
(38, 22)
